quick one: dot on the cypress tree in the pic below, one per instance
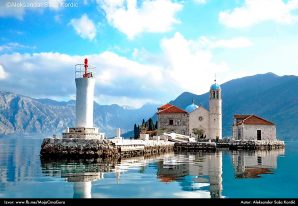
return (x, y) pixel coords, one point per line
(135, 131)
(151, 125)
(138, 131)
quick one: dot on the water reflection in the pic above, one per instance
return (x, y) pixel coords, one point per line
(16, 163)
(252, 164)
(24, 174)
(80, 171)
(200, 174)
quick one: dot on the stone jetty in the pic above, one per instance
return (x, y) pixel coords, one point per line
(103, 148)
(256, 144)
(229, 144)
(121, 148)
(194, 146)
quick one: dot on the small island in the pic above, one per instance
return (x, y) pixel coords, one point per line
(191, 129)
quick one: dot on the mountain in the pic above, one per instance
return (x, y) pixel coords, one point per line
(24, 115)
(267, 95)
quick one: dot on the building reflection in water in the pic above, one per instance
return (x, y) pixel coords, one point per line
(81, 172)
(194, 172)
(199, 174)
(252, 164)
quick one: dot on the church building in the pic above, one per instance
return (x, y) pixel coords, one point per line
(184, 121)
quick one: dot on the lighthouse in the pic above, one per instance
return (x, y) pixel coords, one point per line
(84, 96)
(85, 83)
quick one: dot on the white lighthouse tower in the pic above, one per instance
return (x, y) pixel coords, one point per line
(215, 107)
(85, 84)
(84, 96)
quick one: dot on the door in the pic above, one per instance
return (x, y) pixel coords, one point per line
(259, 135)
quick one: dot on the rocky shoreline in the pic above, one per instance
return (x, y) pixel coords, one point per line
(77, 147)
(109, 149)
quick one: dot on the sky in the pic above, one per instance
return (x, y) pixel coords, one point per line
(144, 51)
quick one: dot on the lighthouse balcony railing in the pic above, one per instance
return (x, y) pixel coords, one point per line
(80, 71)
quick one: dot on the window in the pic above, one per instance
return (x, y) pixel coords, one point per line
(239, 133)
(259, 134)
(171, 122)
(200, 118)
(259, 160)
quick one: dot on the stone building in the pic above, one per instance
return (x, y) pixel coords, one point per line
(172, 118)
(183, 121)
(252, 127)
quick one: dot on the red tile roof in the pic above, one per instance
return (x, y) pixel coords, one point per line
(168, 108)
(165, 106)
(251, 120)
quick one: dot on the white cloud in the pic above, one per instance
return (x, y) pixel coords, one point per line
(18, 8)
(183, 65)
(258, 11)
(157, 16)
(128, 82)
(84, 27)
(238, 42)
(120, 67)
(190, 66)
(3, 73)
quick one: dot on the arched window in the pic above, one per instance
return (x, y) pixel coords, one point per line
(217, 94)
(213, 95)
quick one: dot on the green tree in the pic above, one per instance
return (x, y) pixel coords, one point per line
(150, 125)
(156, 125)
(135, 132)
(198, 132)
(138, 132)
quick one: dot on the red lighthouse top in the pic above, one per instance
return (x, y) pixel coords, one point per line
(84, 70)
(86, 74)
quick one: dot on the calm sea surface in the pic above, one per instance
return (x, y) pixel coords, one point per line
(224, 174)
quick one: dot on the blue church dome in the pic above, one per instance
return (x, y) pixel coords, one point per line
(190, 108)
(215, 86)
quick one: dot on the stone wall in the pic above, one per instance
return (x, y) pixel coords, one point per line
(199, 118)
(256, 144)
(78, 147)
(87, 148)
(268, 132)
(194, 146)
(180, 123)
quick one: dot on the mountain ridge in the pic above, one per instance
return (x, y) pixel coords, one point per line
(21, 114)
(267, 95)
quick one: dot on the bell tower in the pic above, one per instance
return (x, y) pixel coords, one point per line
(215, 107)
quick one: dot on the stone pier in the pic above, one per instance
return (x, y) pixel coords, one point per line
(103, 148)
